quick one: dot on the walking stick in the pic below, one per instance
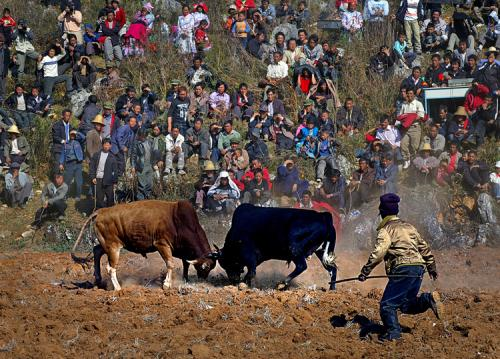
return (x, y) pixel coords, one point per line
(378, 276)
(95, 196)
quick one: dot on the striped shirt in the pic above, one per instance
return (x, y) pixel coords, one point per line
(49, 64)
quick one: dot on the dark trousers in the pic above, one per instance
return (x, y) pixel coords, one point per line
(73, 170)
(57, 208)
(401, 293)
(103, 191)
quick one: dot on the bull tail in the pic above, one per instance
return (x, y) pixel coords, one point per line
(74, 257)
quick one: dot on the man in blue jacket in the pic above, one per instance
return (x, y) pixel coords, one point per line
(122, 141)
(71, 163)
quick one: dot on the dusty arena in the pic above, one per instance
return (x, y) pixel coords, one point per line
(47, 310)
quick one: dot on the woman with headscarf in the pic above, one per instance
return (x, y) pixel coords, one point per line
(186, 26)
(223, 195)
(200, 13)
(136, 37)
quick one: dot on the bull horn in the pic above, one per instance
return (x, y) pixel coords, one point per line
(217, 248)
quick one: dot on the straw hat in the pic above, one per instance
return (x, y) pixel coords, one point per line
(13, 129)
(98, 120)
(492, 49)
(209, 166)
(427, 147)
(460, 111)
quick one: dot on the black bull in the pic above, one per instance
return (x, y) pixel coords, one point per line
(259, 234)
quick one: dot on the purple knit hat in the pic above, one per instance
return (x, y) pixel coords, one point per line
(389, 204)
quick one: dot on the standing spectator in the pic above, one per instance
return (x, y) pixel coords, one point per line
(111, 122)
(141, 164)
(90, 111)
(122, 141)
(461, 28)
(50, 68)
(410, 12)
(178, 112)
(18, 186)
(120, 15)
(185, 37)
(4, 66)
(60, 135)
(174, 151)
(70, 163)
(410, 141)
(475, 97)
(24, 48)
(110, 37)
(72, 22)
(94, 138)
(352, 21)
(103, 171)
(326, 150)
(350, 118)
(53, 201)
(7, 25)
(241, 30)
(495, 182)
(18, 103)
(389, 136)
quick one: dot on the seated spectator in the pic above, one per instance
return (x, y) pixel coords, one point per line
(333, 190)
(489, 73)
(206, 181)
(71, 19)
(313, 51)
(281, 133)
(305, 81)
(435, 140)
(490, 36)
(326, 150)
(254, 46)
(241, 29)
(462, 28)
(199, 73)
(447, 61)
(275, 105)
(352, 21)
(484, 122)
(223, 196)
(38, 103)
(431, 41)
(18, 104)
(440, 26)
(277, 71)
(284, 11)
(174, 152)
(236, 159)
(426, 164)
(301, 16)
(110, 30)
(84, 74)
(230, 19)
(220, 102)
(350, 118)
(225, 137)
(51, 75)
(74, 52)
(382, 62)
(199, 99)
(53, 201)
(471, 68)
(435, 73)
(254, 166)
(452, 157)
(414, 81)
(376, 11)
(261, 122)
(475, 97)
(402, 53)
(16, 148)
(257, 148)
(197, 141)
(7, 25)
(455, 72)
(278, 46)
(70, 164)
(387, 178)
(443, 120)
(103, 171)
(244, 5)
(306, 140)
(257, 191)
(443, 178)
(462, 53)
(495, 182)
(460, 127)
(294, 56)
(326, 123)
(18, 186)
(330, 64)
(268, 11)
(23, 45)
(475, 174)
(91, 41)
(288, 182)
(242, 102)
(361, 183)
(214, 131)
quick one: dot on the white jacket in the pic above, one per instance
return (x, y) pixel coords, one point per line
(22, 42)
(171, 143)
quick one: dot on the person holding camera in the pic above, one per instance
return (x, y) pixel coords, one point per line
(24, 48)
(71, 20)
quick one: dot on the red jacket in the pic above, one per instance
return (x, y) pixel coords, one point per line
(120, 16)
(249, 4)
(265, 175)
(474, 101)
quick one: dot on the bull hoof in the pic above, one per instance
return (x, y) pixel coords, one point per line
(167, 287)
(282, 286)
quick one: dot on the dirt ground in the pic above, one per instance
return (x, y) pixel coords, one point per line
(46, 311)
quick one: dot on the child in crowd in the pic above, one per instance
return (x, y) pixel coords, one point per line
(201, 37)
(401, 50)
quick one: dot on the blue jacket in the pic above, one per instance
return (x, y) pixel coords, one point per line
(72, 151)
(390, 176)
(123, 137)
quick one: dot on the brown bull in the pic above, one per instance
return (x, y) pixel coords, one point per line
(171, 228)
